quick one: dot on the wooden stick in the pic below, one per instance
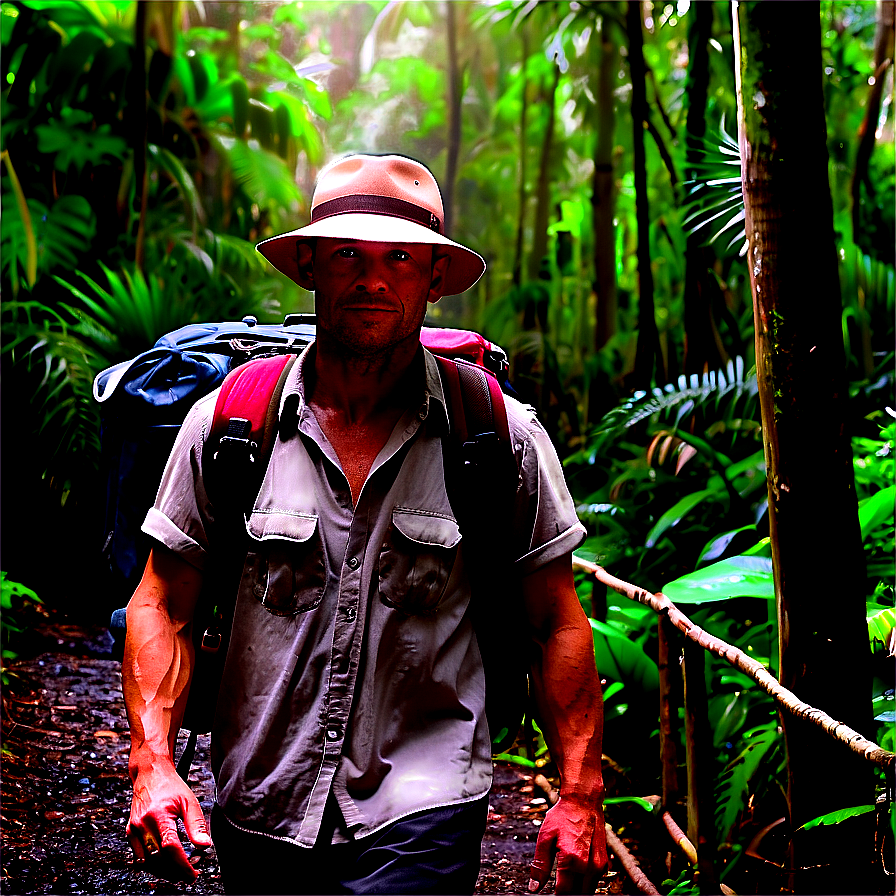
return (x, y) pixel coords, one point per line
(639, 878)
(661, 604)
(698, 744)
(670, 701)
(679, 836)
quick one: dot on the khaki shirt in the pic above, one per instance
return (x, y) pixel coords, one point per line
(353, 670)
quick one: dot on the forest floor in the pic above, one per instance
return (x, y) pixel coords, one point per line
(65, 786)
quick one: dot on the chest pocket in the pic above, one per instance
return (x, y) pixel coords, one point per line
(416, 560)
(285, 566)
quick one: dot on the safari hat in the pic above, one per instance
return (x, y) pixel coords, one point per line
(384, 199)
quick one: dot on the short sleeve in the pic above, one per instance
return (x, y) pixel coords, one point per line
(181, 516)
(545, 522)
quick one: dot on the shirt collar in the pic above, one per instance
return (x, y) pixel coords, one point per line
(433, 407)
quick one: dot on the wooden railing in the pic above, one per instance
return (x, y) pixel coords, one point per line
(699, 844)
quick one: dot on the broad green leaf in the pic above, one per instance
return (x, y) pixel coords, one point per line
(9, 589)
(880, 624)
(876, 509)
(619, 658)
(883, 707)
(718, 545)
(741, 576)
(836, 817)
(675, 514)
(646, 805)
(612, 688)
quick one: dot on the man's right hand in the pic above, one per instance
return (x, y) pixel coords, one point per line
(161, 797)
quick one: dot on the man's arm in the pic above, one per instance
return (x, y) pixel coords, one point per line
(155, 672)
(568, 694)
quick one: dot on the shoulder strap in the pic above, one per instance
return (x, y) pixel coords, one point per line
(251, 394)
(242, 435)
(475, 404)
(481, 476)
(243, 429)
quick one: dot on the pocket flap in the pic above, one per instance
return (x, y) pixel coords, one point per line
(263, 525)
(424, 528)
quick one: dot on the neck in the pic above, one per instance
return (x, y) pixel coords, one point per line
(358, 386)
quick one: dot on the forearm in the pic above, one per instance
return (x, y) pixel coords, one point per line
(156, 672)
(568, 696)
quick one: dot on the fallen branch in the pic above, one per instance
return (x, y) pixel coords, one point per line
(639, 878)
(661, 604)
(679, 836)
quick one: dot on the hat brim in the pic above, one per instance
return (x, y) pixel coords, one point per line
(464, 269)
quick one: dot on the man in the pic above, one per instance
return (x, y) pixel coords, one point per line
(350, 746)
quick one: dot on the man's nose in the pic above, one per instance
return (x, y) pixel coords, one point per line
(372, 278)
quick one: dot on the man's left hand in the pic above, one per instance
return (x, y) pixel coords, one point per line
(573, 833)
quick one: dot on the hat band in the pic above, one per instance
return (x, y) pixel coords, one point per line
(377, 205)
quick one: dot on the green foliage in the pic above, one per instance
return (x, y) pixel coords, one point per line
(744, 575)
(683, 885)
(837, 817)
(115, 269)
(715, 202)
(15, 600)
(739, 779)
(646, 805)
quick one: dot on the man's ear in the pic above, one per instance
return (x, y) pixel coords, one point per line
(305, 264)
(440, 264)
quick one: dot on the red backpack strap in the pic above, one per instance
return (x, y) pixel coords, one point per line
(250, 394)
(474, 399)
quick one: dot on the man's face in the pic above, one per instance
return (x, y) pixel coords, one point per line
(369, 297)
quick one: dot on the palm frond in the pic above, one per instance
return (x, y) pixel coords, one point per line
(683, 397)
(713, 190)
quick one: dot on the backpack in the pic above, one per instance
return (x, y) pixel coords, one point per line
(479, 465)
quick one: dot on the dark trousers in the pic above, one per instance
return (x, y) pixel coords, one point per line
(431, 852)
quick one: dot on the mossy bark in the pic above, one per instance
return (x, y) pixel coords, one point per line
(816, 540)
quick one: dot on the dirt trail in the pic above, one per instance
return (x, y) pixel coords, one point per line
(65, 788)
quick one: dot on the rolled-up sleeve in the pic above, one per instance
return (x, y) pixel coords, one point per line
(545, 522)
(181, 516)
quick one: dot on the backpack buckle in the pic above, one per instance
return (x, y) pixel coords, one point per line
(235, 443)
(478, 451)
(211, 640)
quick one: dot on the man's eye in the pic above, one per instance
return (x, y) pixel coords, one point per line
(346, 253)
(400, 255)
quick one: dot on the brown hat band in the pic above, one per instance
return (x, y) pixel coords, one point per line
(377, 205)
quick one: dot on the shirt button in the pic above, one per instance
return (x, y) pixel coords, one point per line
(350, 613)
(354, 563)
(332, 734)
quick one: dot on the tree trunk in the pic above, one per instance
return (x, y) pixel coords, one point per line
(883, 59)
(603, 192)
(701, 337)
(647, 353)
(455, 97)
(138, 100)
(824, 651)
(521, 212)
(543, 186)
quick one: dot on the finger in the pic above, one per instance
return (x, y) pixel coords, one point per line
(597, 863)
(540, 869)
(173, 864)
(197, 827)
(150, 846)
(135, 838)
(570, 875)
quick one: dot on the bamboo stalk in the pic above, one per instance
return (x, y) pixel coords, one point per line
(736, 657)
(639, 878)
